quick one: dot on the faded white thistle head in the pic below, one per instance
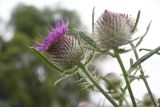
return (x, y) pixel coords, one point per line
(62, 48)
(113, 30)
(114, 81)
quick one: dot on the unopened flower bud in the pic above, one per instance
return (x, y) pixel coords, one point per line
(142, 105)
(116, 95)
(147, 99)
(62, 48)
(113, 30)
(91, 67)
(85, 104)
(114, 81)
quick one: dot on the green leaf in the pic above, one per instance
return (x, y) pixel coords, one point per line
(137, 77)
(91, 56)
(121, 50)
(61, 79)
(133, 69)
(145, 57)
(87, 39)
(131, 62)
(158, 53)
(105, 80)
(93, 20)
(137, 20)
(40, 55)
(142, 37)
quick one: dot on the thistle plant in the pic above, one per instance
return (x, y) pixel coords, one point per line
(73, 54)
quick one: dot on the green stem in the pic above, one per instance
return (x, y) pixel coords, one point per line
(123, 98)
(143, 76)
(125, 77)
(124, 90)
(88, 74)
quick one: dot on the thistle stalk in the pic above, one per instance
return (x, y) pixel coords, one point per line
(143, 76)
(88, 74)
(125, 77)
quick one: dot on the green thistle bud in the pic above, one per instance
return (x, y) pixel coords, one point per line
(116, 95)
(147, 100)
(114, 81)
(142, 105)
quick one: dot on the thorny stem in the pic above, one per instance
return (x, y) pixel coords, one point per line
(125, 77)
(123, 98)
(143, 76)
(124, 91)
(88, 74)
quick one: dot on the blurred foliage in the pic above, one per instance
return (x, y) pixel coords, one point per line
(24, 80)
(31, 21)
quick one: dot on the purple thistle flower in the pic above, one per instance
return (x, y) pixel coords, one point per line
(113, 30)
(56, 32)
(62, 48)
(66, 52)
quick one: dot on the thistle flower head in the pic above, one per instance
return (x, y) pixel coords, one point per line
(116, 95)
(147, 99)
(61, 47)
(85, 104)
(56, 32)
(114, 80)
(113, 30)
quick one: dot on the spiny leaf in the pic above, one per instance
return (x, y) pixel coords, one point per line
(87, 39)
(91, 56)
(133, 69)
(84, 84)
(105, 80)
(93, 20)
(62, 78)
(145, 57)
(40, 55)
(58, 81)
(131, 61)
(120, 50)
(137, 77)
(158, 53)
(142, 37)
(70, 71)
(137, 20)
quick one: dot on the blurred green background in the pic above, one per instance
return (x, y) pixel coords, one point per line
(25, 81)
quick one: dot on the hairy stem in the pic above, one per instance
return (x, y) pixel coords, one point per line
(88, 74)
(125, 77)
(143, 76)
